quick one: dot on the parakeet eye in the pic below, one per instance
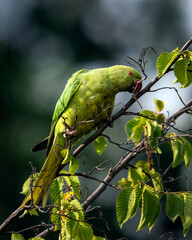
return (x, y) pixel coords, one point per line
(130, 74)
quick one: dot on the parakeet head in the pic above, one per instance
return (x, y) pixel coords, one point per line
(126, 79)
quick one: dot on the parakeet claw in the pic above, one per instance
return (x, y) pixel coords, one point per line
(72, 133)
(109, 119)
(67, 125)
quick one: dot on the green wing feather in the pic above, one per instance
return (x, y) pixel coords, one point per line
(70, 89)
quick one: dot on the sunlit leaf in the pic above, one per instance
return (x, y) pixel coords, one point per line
(135, 200)
(187, 152)
(129, 127)
(159, 104)
(76, 207)
(74, 183)
(124, 183)
(180, 205)
(152, 221)
(65, 153)
(17, 236)
(100, 145)
(187, 220)
(180, 70)
(82, 230)
(150, 209)
(189, 74)
(165, 60)
(137, 175)
(33, 212)
(181, 148)
(29, 183)
(160, 117)
(174, 206)
(97, 238)
(73, 165)
(56, 194)
(122, 206)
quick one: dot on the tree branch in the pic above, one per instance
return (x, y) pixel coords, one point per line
(185, 109)
(17, 213)
(127, 105)
(123, 161)
(129, 156)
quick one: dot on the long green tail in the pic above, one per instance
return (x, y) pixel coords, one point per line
(47, 174)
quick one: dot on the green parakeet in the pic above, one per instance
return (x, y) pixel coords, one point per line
(87, 100)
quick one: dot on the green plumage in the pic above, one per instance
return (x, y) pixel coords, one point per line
(86, 101)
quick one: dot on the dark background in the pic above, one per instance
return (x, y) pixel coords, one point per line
(41, 44)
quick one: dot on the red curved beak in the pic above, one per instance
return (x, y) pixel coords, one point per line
(135, 87)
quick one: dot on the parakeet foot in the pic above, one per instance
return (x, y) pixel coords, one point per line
(67, 125)
(109, 119)
(72, 133)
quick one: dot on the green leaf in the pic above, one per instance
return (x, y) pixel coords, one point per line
(73, 164)
(129, 127)
(180, 70)
(160, 117)
(150, 209)
(135, 128)
(17, 236)
(187, 152)
(74, 183)
(100, 145)
(63, 231)
(137, 133)
(157, 182)
(71, 212)
(177, 152)
(165, 60)
(78, 209)
(137, 175)
(98, 238)
(154, 218)
(145, 113)
(153, 132)
(181, 148)
(65, 153)
(83, 230)
(29, 183)
(150, 128)
(56, 194)
(143, 175)
(177, 148)
(187, 220)
(124, 183)
(183, 70)
(70, 225)
(122, 206)
(33, 212)
(135, 200)
(138, 130)
(159, 104)
(174, 206)
(75, 225)
(24, 213)
(189, 74)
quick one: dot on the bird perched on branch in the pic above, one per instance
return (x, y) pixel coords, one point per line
(87, 100)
